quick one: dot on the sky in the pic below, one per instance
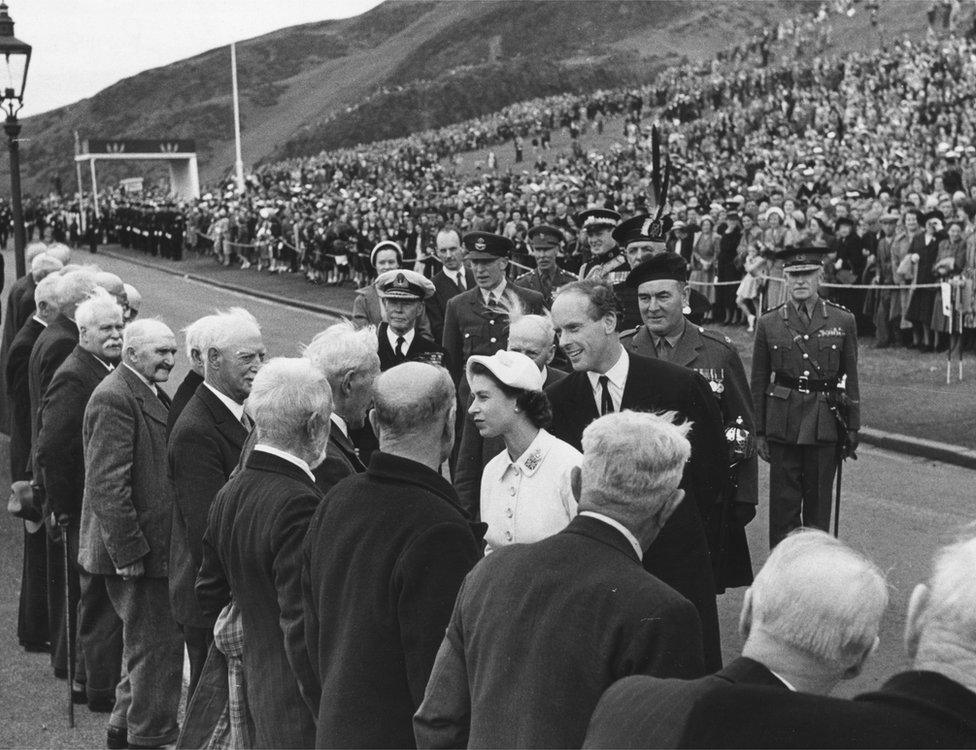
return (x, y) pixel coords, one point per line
(82, 46)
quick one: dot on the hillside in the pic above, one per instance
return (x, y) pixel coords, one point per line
(417, 63)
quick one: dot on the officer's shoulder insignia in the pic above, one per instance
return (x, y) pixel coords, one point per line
(720, 338)
(628, 334)
(523, 276)
(773, 309)
(837, 305)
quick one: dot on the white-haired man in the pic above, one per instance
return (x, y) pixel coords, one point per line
(533, 336)
(398, 533)
(133, 302)
(60, 464)
(125, 530)
(193, 334)
(932, 704)
(811, 619)
(204, 446)
(540, 630)
(20, 298)
(253, 544)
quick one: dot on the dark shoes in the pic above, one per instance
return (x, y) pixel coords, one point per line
(118, 739)
(36, 648)
(101, 705)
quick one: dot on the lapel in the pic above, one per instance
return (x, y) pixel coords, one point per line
(688, 347)
(93, 367)
(151, 406)
(819, 317)
(224, 421)
(346, 448)
(262, 461)
(477, 304)
(631, 387)
(583, 398)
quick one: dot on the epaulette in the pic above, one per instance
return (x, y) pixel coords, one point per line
(523, 275)
(719, 337)
(627, 334)
(834, 304)
(773, 309)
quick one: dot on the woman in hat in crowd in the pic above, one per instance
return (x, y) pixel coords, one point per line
(703, 260)
(526, 492)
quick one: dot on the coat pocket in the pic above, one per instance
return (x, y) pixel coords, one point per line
(777, 413)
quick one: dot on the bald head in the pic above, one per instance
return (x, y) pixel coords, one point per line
(413, 410)
(533, 336)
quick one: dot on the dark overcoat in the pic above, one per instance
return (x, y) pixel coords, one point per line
(384, 558)
(538, 633)
(252, 554)
(18, 395)
(19, 310)
(203, 449)
(182, 397)
(679, 556)
(52, 348)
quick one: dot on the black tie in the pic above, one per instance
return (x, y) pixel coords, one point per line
(246, 422)
(460, 281)
(606, 402)
(804, 314)
(399, 347)
(492, 300)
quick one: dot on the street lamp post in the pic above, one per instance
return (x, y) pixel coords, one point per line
(16, 56)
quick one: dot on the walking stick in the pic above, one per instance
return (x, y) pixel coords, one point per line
(840, 472)
(63, 525)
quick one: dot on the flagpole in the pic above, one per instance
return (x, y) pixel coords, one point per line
(82, 219)
(239, 161)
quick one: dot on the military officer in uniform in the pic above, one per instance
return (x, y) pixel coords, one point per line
(547, 277)
(398, 337)
(607, 261)
(661, 287)
(805, 354)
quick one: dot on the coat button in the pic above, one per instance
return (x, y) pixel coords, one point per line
(509, 512)
(806, 373)
(833, 346)
(511, 490)
(806, 336)
(492, 340)
(491, 322)
(806, 356)
(508, 535)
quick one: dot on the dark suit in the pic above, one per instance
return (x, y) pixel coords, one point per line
(182, 397)
(204, 446)
(912, 709)
(32, 620)
(679, 556)
(474, 452)
(444, 289)
(20, 308)
(126, 517)
(650, 712)
(421, 348)
(60, 463)
(700, 349)
(52, 348)
(252, 554)
(471, 327)
(384, 558)
(539, 631)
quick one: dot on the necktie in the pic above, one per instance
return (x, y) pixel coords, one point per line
(664, 349)
(804, 314)
(399, 347)
(246, 421)
(460, 281)
(492, 300)
(606, 402)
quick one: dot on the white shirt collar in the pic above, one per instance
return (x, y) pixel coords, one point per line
(285, 456)
(534, 455)
(150, 386)
(108, 365)
(628, 535)
(40, 320)
(407, 338)
(340, 423)
(617, 375)
(784, 681)
(232, 406)
(498, 291)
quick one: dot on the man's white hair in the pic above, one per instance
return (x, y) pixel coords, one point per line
(340, 348)
(74, 287)
(951, 605)
(98, 307)
(633, 462)
(44, 264)
(110, 282)
(132, 296)
(195, 333)
(60, 251)
(537, 326)
(47, 290)
(818, 595)
(287, 394)
(140, 332)
(227, 326)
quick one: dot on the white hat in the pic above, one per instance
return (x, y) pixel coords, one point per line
(513, 369)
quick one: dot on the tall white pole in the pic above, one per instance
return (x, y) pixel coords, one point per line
(82, 219)
(239, 161)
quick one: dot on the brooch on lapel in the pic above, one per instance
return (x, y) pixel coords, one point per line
(533, 460)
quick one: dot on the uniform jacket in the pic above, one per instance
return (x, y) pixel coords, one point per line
(421, 348)
(540, 630)
(127, 509)
(367, 311)
(679, 556)
(641, 712)
(52, 348)
(611, 267)
(547, 286)
(444, 290)
(475, 452)
(18, 393)
(384, 558)
(701, 349)
(252, 554)
(912, 709)
(470, 327)
(182, 397)
(60, 453)
(203, 449)
(784, 414)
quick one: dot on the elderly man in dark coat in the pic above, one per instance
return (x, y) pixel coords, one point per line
(204, 447)
(662, 293)
(193, 334)
(252, 549)
(60, 464)
(384, 558)
(540, 630)
(126, 518)
(607, 378)
(32, 620)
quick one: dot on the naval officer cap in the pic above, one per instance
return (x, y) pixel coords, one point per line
(597, 218)
(802, 259)
(669, 266)
(402, 283)
(513, 369)
(642, 228)
(545, 236)
(486, 246)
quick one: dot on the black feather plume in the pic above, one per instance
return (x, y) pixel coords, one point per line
(656, 163)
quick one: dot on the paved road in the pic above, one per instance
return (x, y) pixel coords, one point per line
(896, 509)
